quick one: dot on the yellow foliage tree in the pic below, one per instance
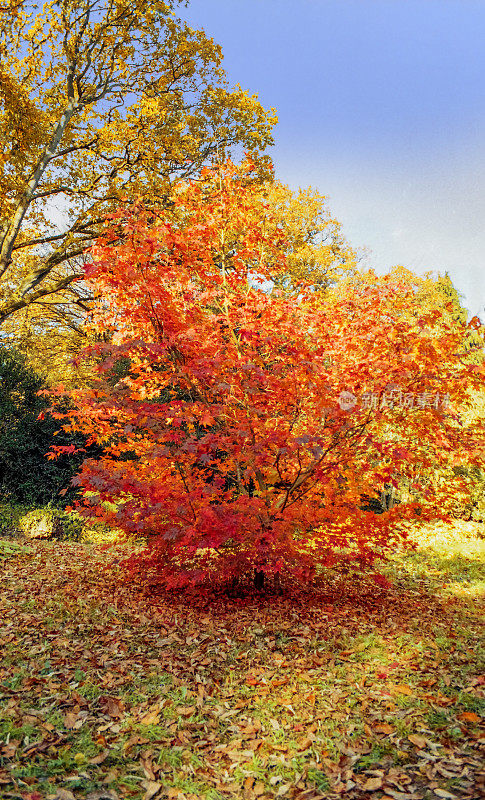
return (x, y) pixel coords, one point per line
(438, 313)
(100, 101)
(316, 250)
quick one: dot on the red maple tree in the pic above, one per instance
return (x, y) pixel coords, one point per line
(227, 444)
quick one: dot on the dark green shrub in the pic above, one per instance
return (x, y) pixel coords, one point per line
(26, 475)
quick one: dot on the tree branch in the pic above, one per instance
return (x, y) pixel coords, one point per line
(12, 230)
(17, 301)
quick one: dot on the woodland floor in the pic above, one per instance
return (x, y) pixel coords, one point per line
(357, 691)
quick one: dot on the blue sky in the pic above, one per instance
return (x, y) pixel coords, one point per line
(381, 106)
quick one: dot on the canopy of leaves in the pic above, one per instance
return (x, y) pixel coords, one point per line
(100, 100)
(435, 294)
(316, 250)
(49, 334)
(224, 441)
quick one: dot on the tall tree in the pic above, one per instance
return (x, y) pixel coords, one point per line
(436, 312)
(101, 100)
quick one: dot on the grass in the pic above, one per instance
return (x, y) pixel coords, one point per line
(352, 691)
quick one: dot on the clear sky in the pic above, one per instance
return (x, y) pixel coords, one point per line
(381, 107)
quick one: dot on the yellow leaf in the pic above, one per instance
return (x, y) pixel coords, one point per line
(372, 784)
(419, 741)
(401, 688)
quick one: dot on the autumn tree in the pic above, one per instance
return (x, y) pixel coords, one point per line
(49, 334)
(437, 292)
(100, 100)
(316, 251)
(436, 300)
(235, 423)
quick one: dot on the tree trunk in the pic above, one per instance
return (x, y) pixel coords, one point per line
(258, 579)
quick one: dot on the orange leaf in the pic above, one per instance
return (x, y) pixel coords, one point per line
(150, 718)
(401, 688)
(384, 727)
(469, 716)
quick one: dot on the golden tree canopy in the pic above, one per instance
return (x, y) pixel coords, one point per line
(101, 101)
(316, 250)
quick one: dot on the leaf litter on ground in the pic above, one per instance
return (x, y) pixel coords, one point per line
(350, 691)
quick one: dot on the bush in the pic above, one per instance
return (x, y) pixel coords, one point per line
(26, 475)
(51, 522)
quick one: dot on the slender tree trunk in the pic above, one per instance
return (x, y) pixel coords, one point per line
(259, 577)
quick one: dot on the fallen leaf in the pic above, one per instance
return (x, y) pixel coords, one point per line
(383, 727)
(305, 743)
(372, 784)
(187, 711)
(253, 744)
(419, 741)
(112, 706)
(151, 789)
(469, 716)
(99, 758)
(401, 688)
(69, 720)
(150, 718)
(64, 794)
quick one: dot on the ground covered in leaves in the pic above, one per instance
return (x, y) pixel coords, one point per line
(355, 691)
